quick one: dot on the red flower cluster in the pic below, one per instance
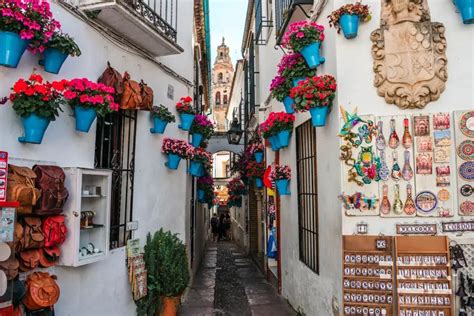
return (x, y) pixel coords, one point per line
(185, 106)
(276, 122)
(314, 92)
(255, 169)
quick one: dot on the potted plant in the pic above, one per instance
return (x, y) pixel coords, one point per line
(199, 159)
(204, 184)
(24, 24)
(167, 268)
(89, 99)
(176, 150)
(161, 117)
(256, 149)
(281, 175)
(37, 103)
(278, 127)
(234, 200)
(186, 113)
(201, 128)
(293, 67)
(466, 7)
(305, 37)
(255, 170)
(236, 187)
(280, 90)
(347, 18)
(57, 50)
(315, 95)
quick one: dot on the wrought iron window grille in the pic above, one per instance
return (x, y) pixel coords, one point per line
(262, 20)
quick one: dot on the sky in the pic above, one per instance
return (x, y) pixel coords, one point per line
(227, 18)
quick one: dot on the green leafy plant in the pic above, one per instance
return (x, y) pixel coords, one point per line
(163, 113)
(167, 267)
(280, 87)
(65, 44)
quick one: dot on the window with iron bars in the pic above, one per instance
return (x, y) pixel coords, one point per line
(115, 150)
(249, 85)
(308, 218)
(263, 18)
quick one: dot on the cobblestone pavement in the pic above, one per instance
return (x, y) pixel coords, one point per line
(229, 283)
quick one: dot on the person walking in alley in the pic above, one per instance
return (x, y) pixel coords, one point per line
(215, 227)
(221, 226)
(227, 223)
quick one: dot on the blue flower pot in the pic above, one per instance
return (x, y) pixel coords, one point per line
(35, 126)
(12, 48)
(186, 121)
(318, 115)
(173, 161)
(297, 80)
(259, 183)
(350, 25)
(274, 143)
(284, 138)
(196, 139)
(282, 186)
(159, 126)
(84, 118)
(53, 60)
(258, 156)
(288, 103)
(466, 7)
(195, 168)
(311, 55)
(200, 194)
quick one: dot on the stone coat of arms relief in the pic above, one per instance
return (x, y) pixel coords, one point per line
(409, 54)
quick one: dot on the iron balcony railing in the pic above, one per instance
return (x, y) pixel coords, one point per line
(262, 19)
(283, 11)
(161, 14)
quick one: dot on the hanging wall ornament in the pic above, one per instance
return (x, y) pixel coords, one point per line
(466, 150)
(384, 170)
(380, 140)
(422, 125)
(466, 190)
(396, 173)
(441, 121)
(407, 140)
(442, 138)
(466, 170)
(407, 171)
(467, 207)
(368, 166)
(393, 141)
(424, 163)
(409, 207)
(466, 124)
(385, 203)
(397, 203)
(426, 201)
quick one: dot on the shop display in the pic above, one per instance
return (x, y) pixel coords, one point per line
(50, 179)
(462, 255)
(136, 269)
(3, 175)
(368, 286)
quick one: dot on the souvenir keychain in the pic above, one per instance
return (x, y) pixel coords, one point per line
(396, 173)
(384, 170)
(410, 207)
(407, 140)
(393, 141)
(385, 203)
(397, 203)
(380, 140)
(407, 172)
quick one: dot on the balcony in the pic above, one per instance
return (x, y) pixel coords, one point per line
(289, 11)
(149, 24)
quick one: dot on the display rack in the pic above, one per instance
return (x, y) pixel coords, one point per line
(368, 285)
(87, 216)
(423, 276)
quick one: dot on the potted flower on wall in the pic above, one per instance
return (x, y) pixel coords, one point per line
(168, 274)
(186, 113)
(256, 149)
(255, 170)
(24, 24)
(305, 37)
(161, 117)
(201, 128)
(200, 159)
(281, 176)
(293, 67)
(280, 90)
(466, 7)
(315, 95)
(278, 127)
(204, 184)
(89, 99)
(57, 50)
(176, 150)
(348, 17)
(37, 103)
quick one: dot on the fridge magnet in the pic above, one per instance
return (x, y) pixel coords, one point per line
(424, 163)
(466, 150)
(441, 121)
(368, 166)
(467, 207)
(396, 173)
(409, 207)
(443, 176)
(424, 144)
(407, 172)
(380, 139)
(385, 203)
(422, 125)
(466, 190)
(407, 140)
(397, 208)
(442, 154)
(359, 201)
(393, 141)
(442, 138)
(466, 170)
(443, 195)
(384, 170)
(466, 124)
(426, 201)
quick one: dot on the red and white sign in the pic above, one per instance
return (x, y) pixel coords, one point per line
(3, 175)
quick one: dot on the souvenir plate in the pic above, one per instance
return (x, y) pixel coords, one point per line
(466, 150)
(466, 170)
(426, 201)
(467, 207)
(466, 124)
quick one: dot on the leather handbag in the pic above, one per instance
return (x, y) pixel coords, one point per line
(42, 291)
(21, 188)
(10, 267)
(54, 231)
(30, 234)
(147, 97)
(49, 257)
(112, 78)
(132, 94)
(29, 259)
(50, 179)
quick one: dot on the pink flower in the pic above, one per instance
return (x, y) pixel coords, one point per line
(300, 34)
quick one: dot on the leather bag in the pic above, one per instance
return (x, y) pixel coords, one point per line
(29, 259)
(54, 231)
(147, 97)
(112, 78)
(30, 234)
(132, 94)
(42, 291)
(50, 179)
(10, 267)
(21, 188)
(49, 257)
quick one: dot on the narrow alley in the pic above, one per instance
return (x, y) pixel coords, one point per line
(230, 283)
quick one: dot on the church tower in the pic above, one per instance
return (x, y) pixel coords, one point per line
(222, 75)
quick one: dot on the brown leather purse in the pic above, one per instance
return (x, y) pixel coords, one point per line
(50, 179)
(10, 267)
(147, 97)
(132, 94)
(30, 235)
(112, 78)
(21, 188)
(41, 291)
(29, 259)
(49, 257)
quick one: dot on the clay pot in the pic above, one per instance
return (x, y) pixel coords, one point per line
(170, 306)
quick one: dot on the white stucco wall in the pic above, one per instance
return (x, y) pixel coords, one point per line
(161, 197)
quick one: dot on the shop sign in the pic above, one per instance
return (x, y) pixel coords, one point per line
(417, 229)
(461, 226)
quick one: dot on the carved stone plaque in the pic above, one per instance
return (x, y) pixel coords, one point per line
(409, 54)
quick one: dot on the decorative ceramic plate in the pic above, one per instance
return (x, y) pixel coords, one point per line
(466, 150)
(466, 124)
(466, 170)
(426, 201)
(467, 207)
